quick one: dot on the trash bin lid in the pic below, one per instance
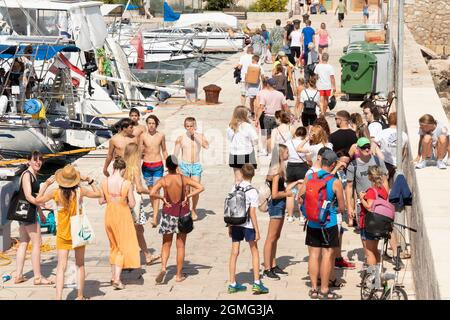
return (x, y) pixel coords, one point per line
(212, 87)
(359, 56)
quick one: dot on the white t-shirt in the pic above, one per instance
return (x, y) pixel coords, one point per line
(314, 149)
(251, 201)
(387, 140)
(245, 61)
(313, 94)
(439, 131)
(294, 156)
(296, 37)
(312, 170)
(324, 72)
(375, 129)
(242, 140)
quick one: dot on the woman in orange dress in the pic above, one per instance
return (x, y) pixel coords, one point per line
(119, 198)
(68, 180)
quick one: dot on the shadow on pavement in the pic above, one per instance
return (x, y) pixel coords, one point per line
(202, 213)
(91, 289)
(190, 269)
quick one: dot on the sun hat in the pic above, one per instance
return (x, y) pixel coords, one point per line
(281, 54)
(67, 177)
(362, 142)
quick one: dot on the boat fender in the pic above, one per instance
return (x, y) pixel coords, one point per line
(32, 106)
(3, 104)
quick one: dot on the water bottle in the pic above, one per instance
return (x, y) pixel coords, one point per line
(6, 277)
(323, 211)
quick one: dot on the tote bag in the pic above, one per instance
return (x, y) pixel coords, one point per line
(80, 227)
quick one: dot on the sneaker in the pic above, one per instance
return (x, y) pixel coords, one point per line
(441, 164)
(422, 164)
(236, 288)
(400, 264)
(270, 275)
(279, 272)
(290, 219)
(343, 264)
(259, 288)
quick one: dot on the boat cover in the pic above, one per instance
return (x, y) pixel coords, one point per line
(210, 18)
(40, 52)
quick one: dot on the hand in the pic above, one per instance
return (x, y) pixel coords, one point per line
(362, 195)
(289, 193)
(257, 236)
(106, 173)
(166, 203)
(229, 231)
(50, 181)
(185, 201)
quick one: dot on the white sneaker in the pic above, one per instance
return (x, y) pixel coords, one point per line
(290, 219)
(263, 153)
(441, 164)
(422, 164)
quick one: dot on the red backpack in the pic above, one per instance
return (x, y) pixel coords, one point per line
(315, 195)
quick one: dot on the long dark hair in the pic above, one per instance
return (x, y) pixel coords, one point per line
(67, 194)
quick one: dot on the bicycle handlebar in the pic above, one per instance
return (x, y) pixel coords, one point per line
(405, 227)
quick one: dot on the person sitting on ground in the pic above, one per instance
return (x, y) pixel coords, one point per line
(174, 185)
(248, 231)
(322, 240)
(433, 143)
(66, 197)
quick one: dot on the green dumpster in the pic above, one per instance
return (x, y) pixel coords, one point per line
(358, 72)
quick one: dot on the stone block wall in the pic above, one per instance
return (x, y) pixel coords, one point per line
(429, 23)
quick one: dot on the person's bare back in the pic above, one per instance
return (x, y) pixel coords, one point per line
(153, 146)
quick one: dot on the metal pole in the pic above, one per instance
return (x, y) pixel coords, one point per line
(400, 110)
(390, 34)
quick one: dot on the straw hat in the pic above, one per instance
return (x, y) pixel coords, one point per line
(67, 177)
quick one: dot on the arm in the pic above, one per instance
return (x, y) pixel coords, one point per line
(276, 194)
(366, 203)
(252, 214)
(259, 111)
(200, 138)
(195, 189)
(26, 186)
(94, 193)
(301, 146)
(177, 147)
(109, 157)
(333, 83)
(130, 196)
(349, 198)
(163, 147)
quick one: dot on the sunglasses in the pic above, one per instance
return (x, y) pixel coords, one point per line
(365, 147)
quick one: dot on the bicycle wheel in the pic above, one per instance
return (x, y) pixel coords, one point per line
(368, 293)
(397, 294)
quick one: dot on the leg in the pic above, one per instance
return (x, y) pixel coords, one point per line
(372, 254)
(442, 147)
(233, 259)
(21, 252)
(181, 244)
(79, 261)
(60, 269)
(270, 243)
(313, 265)
(427, 147)
(141, 240)
(155, 206)
(252, 105)
(326, 266)
(290, 203)
(165, 250)
(255, 259)
(275, 243)
(195, 199)
(34, 231)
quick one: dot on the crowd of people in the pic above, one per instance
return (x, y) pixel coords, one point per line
(354, 164)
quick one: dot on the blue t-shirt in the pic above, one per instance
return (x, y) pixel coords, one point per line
(308, 35)
(330, 197)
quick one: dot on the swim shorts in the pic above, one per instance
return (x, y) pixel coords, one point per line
(191, 169)
(152, 172)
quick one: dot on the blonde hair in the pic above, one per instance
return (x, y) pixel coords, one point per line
(132, 159)
(318, 135)
(376, 176)
(277, 163)
(427, 119)
(240, 115)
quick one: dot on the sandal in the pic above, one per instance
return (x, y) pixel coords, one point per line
(46, 282)
(152, 259)
(160, 277)
(313, 293)
(335, 284)
(118, 285)
(183, 277)
(329, 295)
(82, 298)
(20, 279)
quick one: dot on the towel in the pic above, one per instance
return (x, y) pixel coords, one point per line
(400, 195)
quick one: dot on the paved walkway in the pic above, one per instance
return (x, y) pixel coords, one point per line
(208, 246)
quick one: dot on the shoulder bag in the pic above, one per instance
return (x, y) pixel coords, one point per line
(20, 209)
(80, 228)
(185, 223)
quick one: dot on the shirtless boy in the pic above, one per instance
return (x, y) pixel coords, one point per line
(139, 129)
(190, 144)
(118, 142)
(152, 144)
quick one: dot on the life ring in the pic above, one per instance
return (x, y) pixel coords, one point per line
(32, 106)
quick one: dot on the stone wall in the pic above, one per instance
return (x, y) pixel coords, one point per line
(429, 23)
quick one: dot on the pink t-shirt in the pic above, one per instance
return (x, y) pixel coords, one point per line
(273, 101)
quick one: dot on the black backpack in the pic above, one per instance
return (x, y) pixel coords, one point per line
(310, 104)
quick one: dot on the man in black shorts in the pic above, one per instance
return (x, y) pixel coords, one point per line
(321, 239)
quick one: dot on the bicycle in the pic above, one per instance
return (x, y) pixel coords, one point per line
(378, 286)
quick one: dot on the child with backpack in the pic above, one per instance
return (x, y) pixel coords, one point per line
(240, 215)
(309, 103)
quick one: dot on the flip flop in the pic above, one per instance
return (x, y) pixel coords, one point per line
(153, 259)
(183, 277)
(20, 280)
(118, 285)
(160, 277)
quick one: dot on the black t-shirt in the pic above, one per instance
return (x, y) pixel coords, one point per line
(343, 139)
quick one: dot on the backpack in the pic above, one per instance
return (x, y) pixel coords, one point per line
(378, 221)
(265, 195)
(310, 104)
(316, 205)
(235, 212)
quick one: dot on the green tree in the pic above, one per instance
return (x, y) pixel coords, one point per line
(269, 6)
(219, 4)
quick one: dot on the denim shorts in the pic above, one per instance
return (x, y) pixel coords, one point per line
(277, 208)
